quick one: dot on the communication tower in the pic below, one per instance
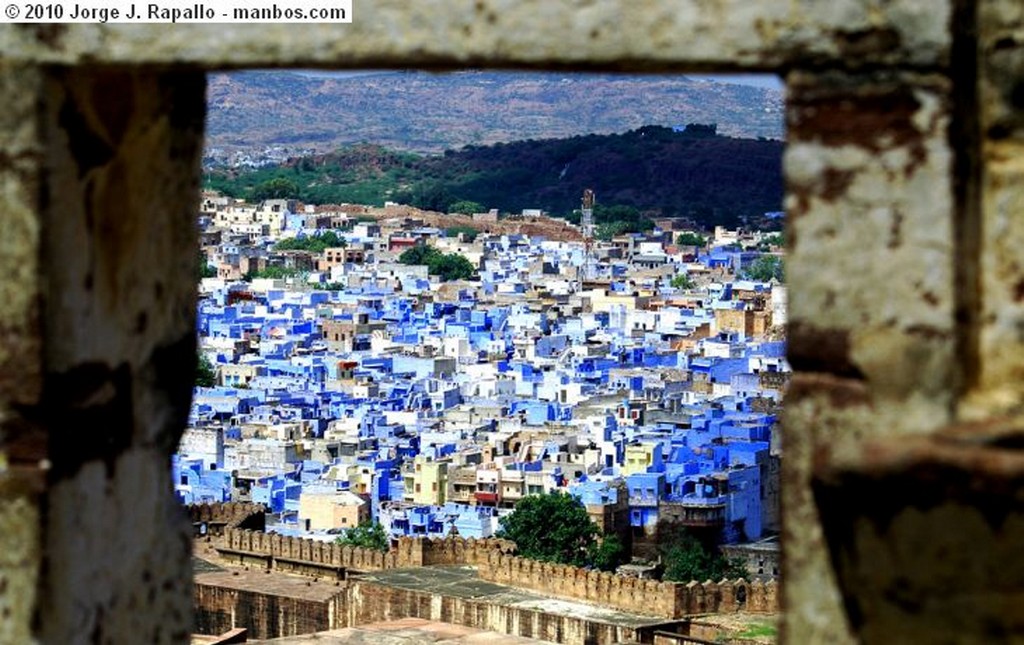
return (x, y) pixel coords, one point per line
(587, 224)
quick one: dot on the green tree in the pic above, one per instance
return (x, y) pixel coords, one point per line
(778, 239)
(552, 528)
(432, 197)
(466, 207)
(368, 535)
(276, 188)
(690, 239)
(686, 559)
(765, 269)
(451, 266)
(608, 554)
(273, 273)
(419, 254)
(204, 270)
(313, 243)
(206, 375)
(682, 281)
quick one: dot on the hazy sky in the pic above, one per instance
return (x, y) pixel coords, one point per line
(756, 80)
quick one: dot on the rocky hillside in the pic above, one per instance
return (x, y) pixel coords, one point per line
(258, 115)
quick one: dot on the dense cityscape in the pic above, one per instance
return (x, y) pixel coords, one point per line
(367, 375)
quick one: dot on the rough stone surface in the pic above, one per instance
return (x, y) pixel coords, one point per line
(720, 34)
(121, 187)
(870, 194)
(937, 558)
(881, 230)
(1000, 384)
(22, 444)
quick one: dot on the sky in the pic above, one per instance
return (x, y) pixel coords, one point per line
(770, 81)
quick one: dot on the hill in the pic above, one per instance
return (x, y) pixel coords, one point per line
(658, 171)
(259, 115)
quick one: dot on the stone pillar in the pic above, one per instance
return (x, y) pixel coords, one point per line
(23, 448)
(872, 328)
(118, 200)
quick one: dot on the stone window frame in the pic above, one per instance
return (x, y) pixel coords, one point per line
(904, 188)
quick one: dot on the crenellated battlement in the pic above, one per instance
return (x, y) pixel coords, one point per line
(496, 562)
(652, 597)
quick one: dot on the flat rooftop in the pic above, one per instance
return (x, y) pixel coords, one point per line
(274, 584)
(463, 582)
(408, 631)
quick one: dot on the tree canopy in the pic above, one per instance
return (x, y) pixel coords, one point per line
(447, 266)
(314, 243)
(765, 269)
(556, 528)
(466, 207)
(686, 559)
(691, 239)
(682, 281)
(368, 535)
(276, 188)
(206, 375)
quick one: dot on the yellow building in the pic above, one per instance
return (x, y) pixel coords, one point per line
(331, 509)
(639, 457)
(428, 481)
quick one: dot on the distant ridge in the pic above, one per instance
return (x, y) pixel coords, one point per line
(694, 173)
(422, 112)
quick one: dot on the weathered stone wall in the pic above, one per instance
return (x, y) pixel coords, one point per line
(218, 517)
(649, 597)
(905, 192)
(219, 609)
(495, 562)
(371, 602)
(325, 558)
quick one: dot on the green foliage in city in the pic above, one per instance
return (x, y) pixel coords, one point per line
(765, 269)
(556, 528)
(419, 255)
(203, 269)
(682, 281)
(686, 559)
(313, 243)
(466, 207)
(552, 528)
(206, 374)
(276, 188)
(778, 239)
(447, 266)
(273, 273)
(691, 239)
(608, 554)
(368, 535)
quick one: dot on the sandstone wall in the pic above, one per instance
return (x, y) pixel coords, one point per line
(372, 603)
(309, 556)
(217, 517)
(650, 597)
(219, 609)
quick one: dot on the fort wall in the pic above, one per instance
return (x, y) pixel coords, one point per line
(651, 597)
(495, 562)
